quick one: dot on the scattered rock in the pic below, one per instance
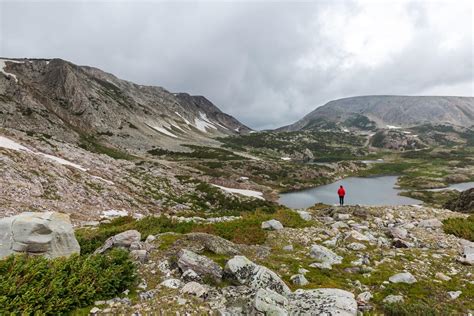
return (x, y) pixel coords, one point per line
(299, 279)
(398, 232)
(454, 294)
(172, 283)
(49, 234)
(364, 297)
(404, 277)
(430, 223)
(195, 288)
(325, 255)
(442, 276)
(356, 246)
(139, 255)
(305, 215)
(288, 248)
(272, 224)
(190, 275)
(94, 310)
(467, 255)
(150, 238)
(390, 299)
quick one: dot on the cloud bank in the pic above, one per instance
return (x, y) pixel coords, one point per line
(267, 63)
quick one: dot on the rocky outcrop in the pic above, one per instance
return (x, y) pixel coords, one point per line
(47, 234)
(255, 276)
(464, 203)
(122, 240)
(203, 266)
(322, 302)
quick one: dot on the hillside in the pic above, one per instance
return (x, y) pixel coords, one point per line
(83, 104)
(371, 112)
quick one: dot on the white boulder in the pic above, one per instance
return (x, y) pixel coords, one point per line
(49, 234)
(272, 224)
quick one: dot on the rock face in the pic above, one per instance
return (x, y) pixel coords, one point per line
(63, 99)
(464, 203)
(203, 266)
(255, 276)
(48, 234)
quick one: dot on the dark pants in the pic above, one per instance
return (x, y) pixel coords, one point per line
(341, 200)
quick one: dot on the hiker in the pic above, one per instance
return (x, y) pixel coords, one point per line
(341, 192)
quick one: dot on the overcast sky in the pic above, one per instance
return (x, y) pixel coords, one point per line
(267, 63)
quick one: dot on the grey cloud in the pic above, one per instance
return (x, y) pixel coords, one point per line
(247, 57)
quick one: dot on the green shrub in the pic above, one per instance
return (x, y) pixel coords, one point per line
(36, 285)
(460, 227)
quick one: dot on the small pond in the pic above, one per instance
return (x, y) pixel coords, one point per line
(364, 191)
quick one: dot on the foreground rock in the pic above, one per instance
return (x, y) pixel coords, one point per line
(306, 302)
(253, 275)
(203, 266)
(47, 234)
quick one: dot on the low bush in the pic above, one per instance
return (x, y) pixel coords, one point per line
(460, 227)
(36, 285)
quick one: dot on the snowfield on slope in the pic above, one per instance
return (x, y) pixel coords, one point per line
(10, 144)
(250, 193)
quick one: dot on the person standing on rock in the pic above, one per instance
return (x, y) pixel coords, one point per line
(341, 192)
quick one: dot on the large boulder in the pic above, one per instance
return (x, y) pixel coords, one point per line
(49, 234)
(255, 276)
(122, 240)
(203, 266)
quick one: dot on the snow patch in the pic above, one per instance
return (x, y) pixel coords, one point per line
(285, 158)
(10, 144)
(3, 65)
(114, 213)
(102, 179)
(203, 123)
(393, 127)
(251, 193)
(184, 119)
(163, 130)
(62, 161)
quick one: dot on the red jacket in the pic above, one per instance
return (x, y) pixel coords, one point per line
(341, 192)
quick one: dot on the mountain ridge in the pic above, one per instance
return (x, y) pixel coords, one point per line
(381, 111)
(54, 96)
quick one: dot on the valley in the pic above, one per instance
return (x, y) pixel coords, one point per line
(174, 204)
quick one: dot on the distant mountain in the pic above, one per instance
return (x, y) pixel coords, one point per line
(73, 103)
(372, 112)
